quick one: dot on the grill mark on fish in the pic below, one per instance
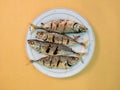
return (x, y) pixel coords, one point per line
(46, 37)
(58, 62)
(57, 25)
(48, 49)
(67, 41)
(68, 64)
(53, 38)
(56, 50)
(65, 26)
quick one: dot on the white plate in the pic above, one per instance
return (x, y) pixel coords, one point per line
(63, 14)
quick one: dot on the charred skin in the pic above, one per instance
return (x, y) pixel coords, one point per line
(57, 38)
(50, 48)
(57, 62)
(62, 26)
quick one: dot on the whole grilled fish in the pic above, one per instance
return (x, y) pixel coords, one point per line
(58, 62)
(50, 48)
(58, 38)
(62, 26)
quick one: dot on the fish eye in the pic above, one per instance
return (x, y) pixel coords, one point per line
(39, 33)
(73, 58)
(42, 23)
(32, 42)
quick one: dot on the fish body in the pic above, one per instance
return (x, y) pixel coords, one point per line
(62, 26)
(57, 38)
(50, 48)
(59, 62)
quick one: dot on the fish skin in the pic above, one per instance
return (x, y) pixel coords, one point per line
(57, 62)
(57, 38)
(50, 48)
(62, 26)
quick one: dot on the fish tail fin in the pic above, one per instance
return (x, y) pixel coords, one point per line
(31, 61)
(84, 44)
(80, 56)
(34, 27)
(32, 30)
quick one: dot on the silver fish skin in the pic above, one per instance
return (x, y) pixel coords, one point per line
(58, 38)
(57, 62)
(50, 48)
(62, 26)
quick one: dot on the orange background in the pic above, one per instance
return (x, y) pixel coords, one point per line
(103, 72)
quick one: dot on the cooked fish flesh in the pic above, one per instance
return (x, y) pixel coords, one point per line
(50, 48)
(58, 38)
(61, 26)
(60, 61)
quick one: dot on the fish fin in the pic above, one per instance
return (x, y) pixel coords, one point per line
(75, 37)
(80, 56)
(32, 30)
(31, 61)
(84, 44)
(34, 26)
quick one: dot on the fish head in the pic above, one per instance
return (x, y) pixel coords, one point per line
(45, 26)
(82, 28)
(73, 60)
(34, 44)
(40, 35)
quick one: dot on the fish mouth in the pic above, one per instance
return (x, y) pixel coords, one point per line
(29, 41)
(84, 30)
(32, 41)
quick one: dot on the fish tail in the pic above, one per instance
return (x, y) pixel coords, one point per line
(84, 44)
(32, 30)
(31, 61)
(80, 56)
(34, 26)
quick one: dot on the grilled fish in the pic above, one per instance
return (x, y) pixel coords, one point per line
(58, 62)
(61, 26)
(50, 48)
(58, 38)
